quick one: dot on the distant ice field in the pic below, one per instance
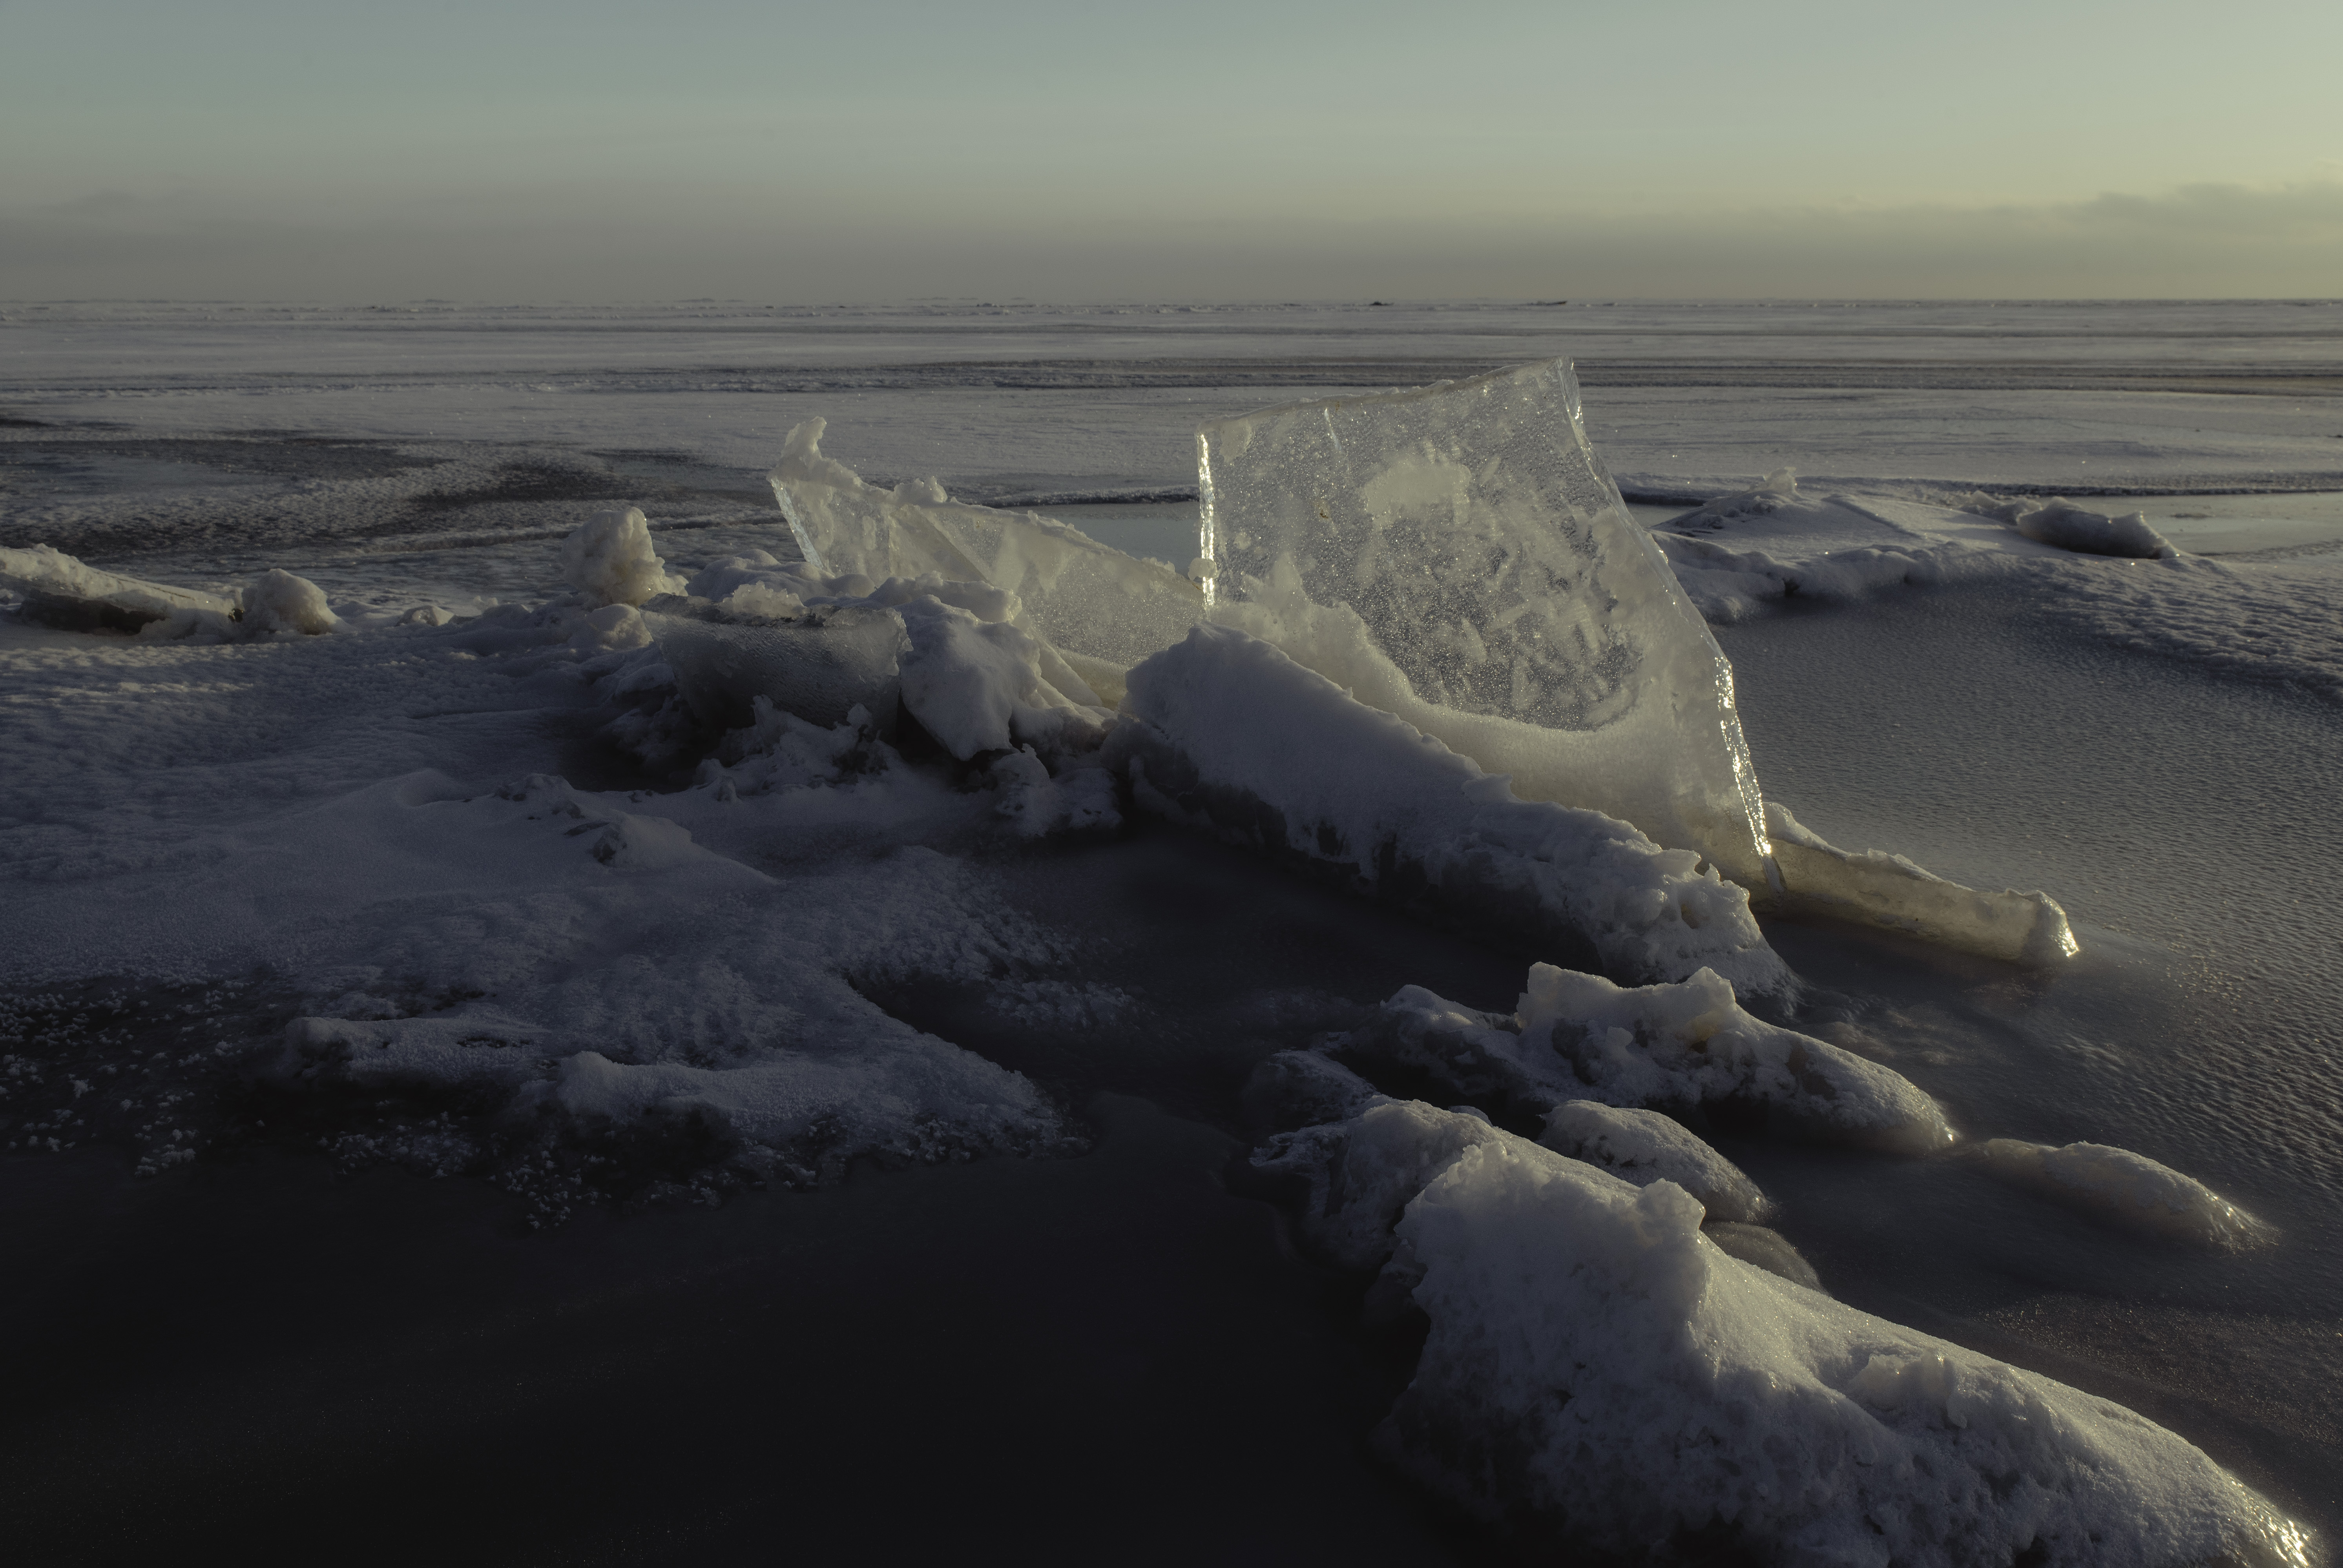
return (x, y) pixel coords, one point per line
(2158, 745)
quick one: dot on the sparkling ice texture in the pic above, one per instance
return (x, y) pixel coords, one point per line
(1457, 555)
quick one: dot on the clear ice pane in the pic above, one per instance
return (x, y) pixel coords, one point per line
(1084, 598)
(1457, 555)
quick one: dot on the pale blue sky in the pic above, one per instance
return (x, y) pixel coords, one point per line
(260, 149)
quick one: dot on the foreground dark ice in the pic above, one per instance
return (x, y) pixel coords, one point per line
(2192, 1027)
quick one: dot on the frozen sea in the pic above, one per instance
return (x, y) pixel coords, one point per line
(266, 1313)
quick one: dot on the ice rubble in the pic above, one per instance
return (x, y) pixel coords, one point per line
(1457, 555)
(1225, 730)
(67, 592)
(2130, 1189)
(1687, 1047)
(1592, 1357)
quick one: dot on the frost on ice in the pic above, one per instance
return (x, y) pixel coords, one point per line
(1593, 1357)
(1458, 555)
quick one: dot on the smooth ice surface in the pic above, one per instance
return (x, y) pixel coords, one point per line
(2128, 1188)
(1458, 555)
(1592, 1356)
(1878, 889)
(1090, 601)
(1226, 730)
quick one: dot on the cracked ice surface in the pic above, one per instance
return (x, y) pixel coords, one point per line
(1458, 555)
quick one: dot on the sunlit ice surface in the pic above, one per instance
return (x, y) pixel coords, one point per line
(2167, 796)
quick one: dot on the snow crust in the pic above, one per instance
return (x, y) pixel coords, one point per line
(2129, 1189)
(1593, 1357)
(1457, 555)
(1685, 1046)
(1227, 730)
(1643, 1147)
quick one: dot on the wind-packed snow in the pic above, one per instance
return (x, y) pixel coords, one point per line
(1592, 1356)
(2128, 1188)
(1225, 730)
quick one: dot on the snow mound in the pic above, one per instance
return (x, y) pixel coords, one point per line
(611, 560)
(2060, 522)
(1878, 889)
(1679, 1047)
(2130, 1189)
(1457, 555)
(1227, 730)
(278, 601)
(1592, 1357)
(1644, 1147)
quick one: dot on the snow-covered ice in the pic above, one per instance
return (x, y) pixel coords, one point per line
(1592, 1356)
(1227, 731)
(553, 863)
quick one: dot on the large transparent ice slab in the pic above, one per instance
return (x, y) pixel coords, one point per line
(1457, 555)
(1092, 603)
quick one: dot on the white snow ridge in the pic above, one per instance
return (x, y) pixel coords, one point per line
(1594, 1358)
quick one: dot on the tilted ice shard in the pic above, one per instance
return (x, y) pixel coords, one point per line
(1457, 555)
(1092, 603)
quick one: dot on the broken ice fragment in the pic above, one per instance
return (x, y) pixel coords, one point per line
(60, 590)
(818, 667)
(1889, 892)
(1097, 606)
(2128, 1188)
(1458, 555)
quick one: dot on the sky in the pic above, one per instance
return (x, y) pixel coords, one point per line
(1209, 150)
